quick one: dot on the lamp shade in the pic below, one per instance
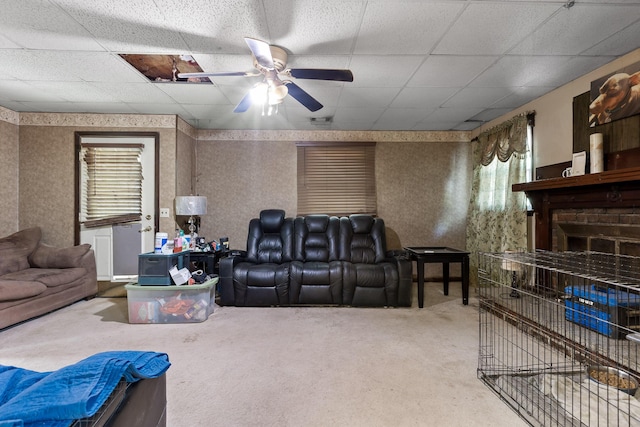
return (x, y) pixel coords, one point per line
(511, 262)
(191, 205)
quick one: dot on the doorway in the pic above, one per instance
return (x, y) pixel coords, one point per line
(117, 233)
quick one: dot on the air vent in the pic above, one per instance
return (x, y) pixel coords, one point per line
(321, 120)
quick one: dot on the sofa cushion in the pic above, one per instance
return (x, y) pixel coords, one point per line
(48, 276)
(16, 248)
(11, 290)
(46, 256)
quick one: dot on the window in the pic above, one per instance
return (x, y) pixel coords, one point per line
(336, 178)
(111, 190)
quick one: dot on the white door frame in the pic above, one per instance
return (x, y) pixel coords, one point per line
(101, 240)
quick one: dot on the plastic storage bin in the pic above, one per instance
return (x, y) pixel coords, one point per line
(602, 309)
(171, 304)
(153, 269)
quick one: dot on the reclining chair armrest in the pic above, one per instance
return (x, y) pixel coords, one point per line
(405, 276)
(226, 265)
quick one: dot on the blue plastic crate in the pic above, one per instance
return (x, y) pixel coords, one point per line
(601, 309)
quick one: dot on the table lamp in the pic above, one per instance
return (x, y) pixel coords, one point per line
(192, 206)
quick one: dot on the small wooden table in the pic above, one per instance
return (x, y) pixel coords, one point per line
(444, 255)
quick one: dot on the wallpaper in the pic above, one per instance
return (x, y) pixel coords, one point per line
(422, 185)
(422, 178)
(9, 174)
(46, 166)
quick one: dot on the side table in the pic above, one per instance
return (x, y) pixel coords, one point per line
(444, 255)
(204, 260)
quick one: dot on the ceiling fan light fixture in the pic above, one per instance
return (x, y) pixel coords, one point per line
(277, 93)
(259, 93)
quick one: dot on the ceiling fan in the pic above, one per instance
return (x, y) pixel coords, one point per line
(270, 61)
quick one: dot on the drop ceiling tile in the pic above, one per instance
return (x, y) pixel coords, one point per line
(100, 67)
(488, 28)
(451, 115)
(16, 90)
(516, 70)
(18, 106)
(552, 38)
(193, 93)
(490, 114)
(412, 28)
(423, 97)
(217, 27)
(134, 92)
(74, 91)
(5, 43)
(364, 115)
(399, 118)
(93, 107)
(37, 24)
(521, 96)
(372, 97)
(136, 26)
(620, 43)
(207, 112)
(450, 70)
(569, 71)
(477, 97)
(32, 65)
(313, 27)
(392, 71)
(466, 126)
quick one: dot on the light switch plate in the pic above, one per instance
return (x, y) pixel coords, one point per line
(164, 212)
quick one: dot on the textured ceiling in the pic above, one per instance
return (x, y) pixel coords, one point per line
(417, 65)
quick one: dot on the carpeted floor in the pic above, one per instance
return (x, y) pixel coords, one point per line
(299, 366)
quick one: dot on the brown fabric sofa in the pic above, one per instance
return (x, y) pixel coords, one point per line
(36, 278)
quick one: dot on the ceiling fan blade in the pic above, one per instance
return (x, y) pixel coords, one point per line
(244, 104)
(321, 74)
(203, 74)
(261, 50)
(303, 97)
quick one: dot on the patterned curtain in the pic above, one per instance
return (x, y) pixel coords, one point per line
(497, 216)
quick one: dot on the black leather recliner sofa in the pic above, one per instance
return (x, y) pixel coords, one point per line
(316, 260)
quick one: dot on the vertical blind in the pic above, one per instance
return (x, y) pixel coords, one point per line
(336, 178)
(111, 190)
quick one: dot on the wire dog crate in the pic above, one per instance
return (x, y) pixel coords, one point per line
(560, 336)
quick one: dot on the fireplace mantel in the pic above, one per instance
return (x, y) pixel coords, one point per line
(610, 189)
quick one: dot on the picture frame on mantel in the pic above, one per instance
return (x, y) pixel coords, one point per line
(615, 96)
(578, 163)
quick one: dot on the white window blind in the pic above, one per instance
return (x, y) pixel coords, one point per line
(336, 178)
(111, 190)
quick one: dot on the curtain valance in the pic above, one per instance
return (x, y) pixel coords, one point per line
(504, 140)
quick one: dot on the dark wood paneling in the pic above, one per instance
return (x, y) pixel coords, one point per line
(618, 135)
(551, 171)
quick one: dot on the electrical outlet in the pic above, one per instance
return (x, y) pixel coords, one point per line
(164, 212)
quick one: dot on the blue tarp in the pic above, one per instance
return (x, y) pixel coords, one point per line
(29, 398)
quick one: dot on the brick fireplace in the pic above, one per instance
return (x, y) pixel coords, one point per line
(610, 230)
(589, 212)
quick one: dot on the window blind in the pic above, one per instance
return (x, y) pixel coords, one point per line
(336, 179)
(111, 183)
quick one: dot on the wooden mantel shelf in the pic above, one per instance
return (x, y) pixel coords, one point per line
(619, 188)
(607, 177)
